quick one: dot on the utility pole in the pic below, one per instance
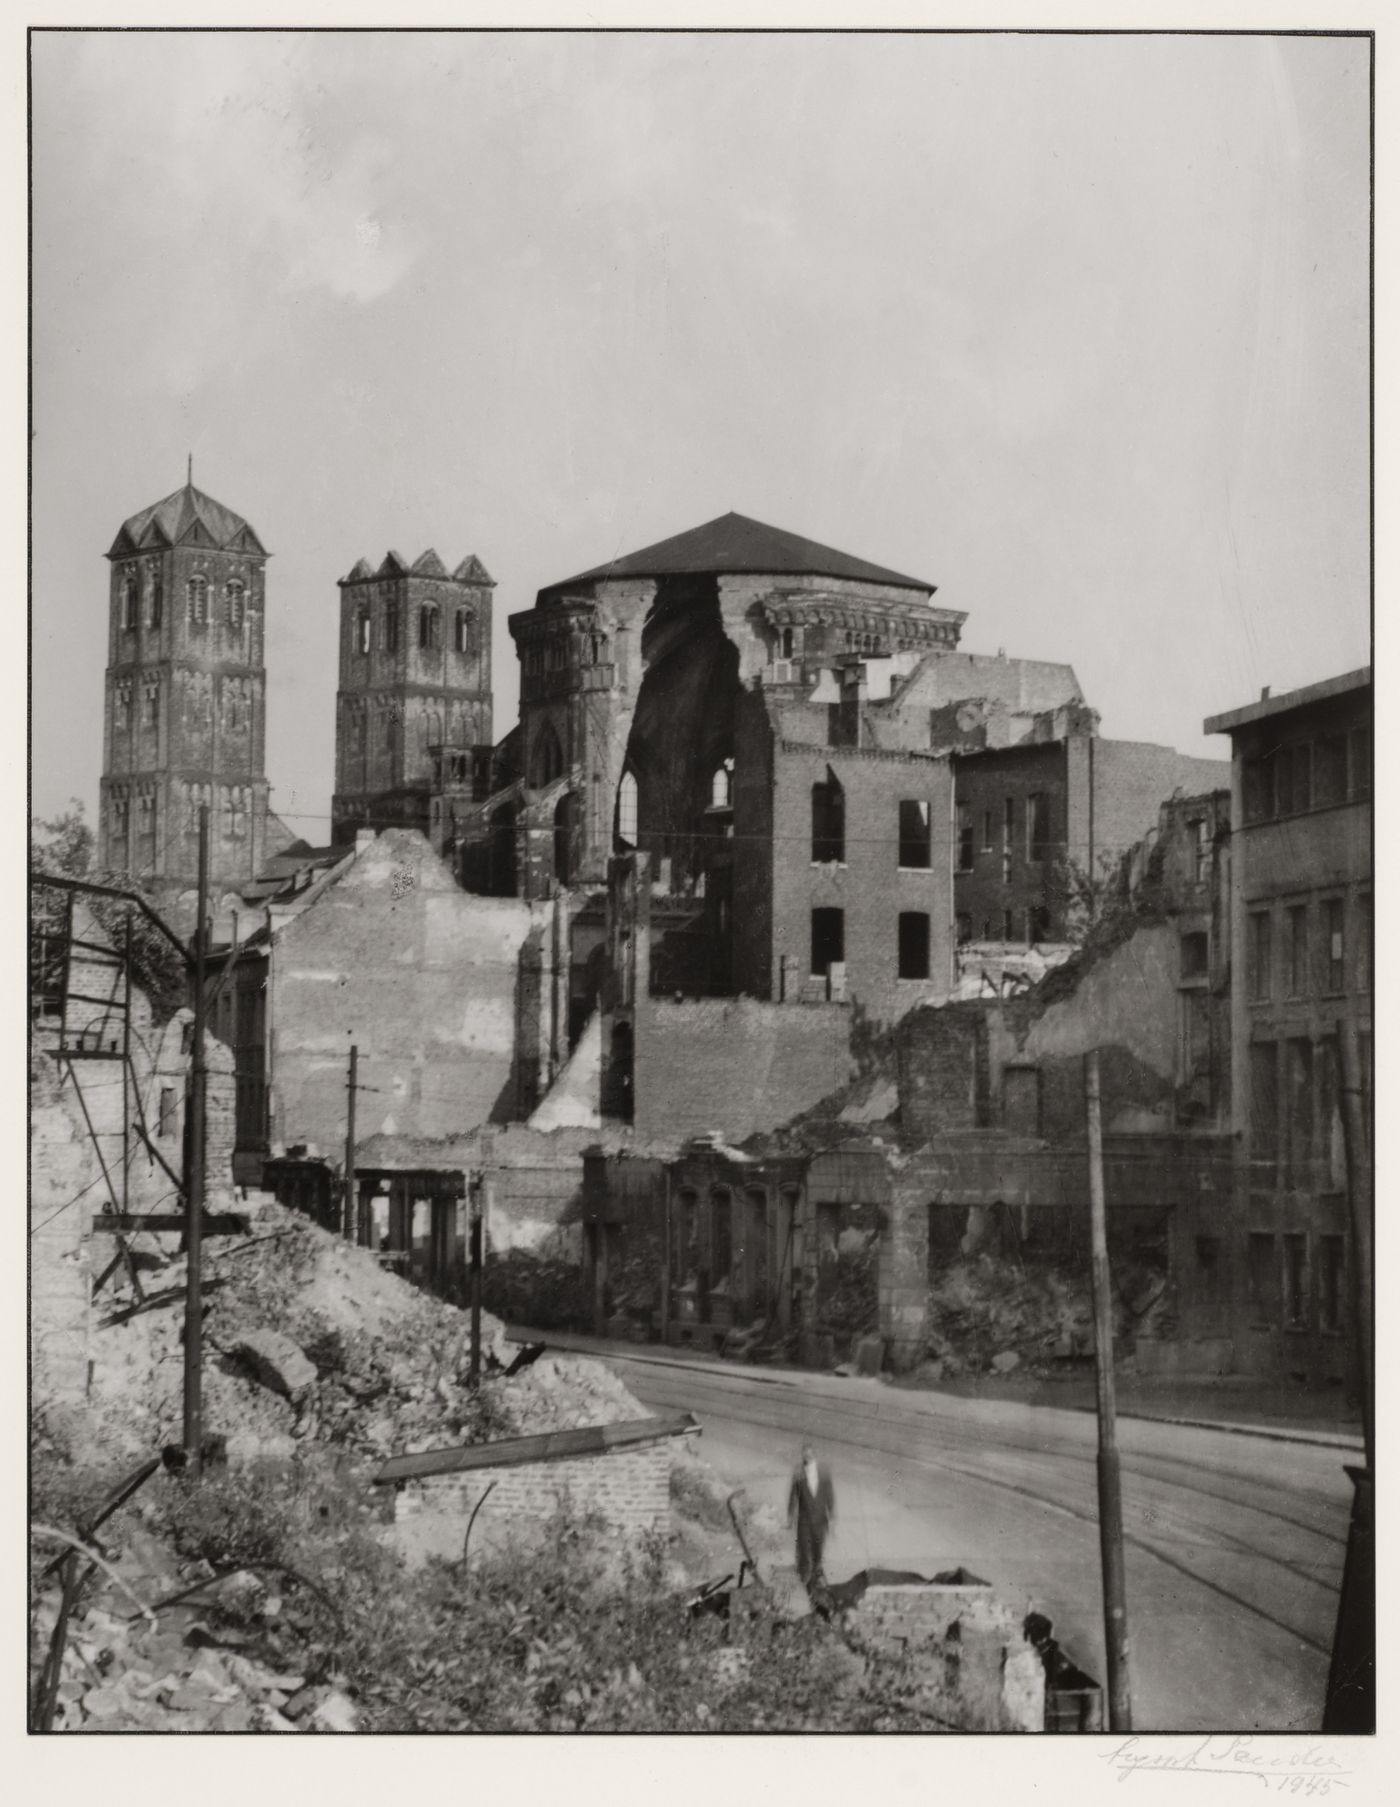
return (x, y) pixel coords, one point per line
(348, 1223)
(1351, 1681)
(1115, 1605)
(478, 1206)
(194, 1179)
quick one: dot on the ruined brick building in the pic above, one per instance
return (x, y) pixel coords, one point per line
(185, 712)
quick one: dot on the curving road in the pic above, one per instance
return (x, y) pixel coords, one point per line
(1235, 1542)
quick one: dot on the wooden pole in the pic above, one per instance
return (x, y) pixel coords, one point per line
(666, 1257)
(194, 1179)
(348, 1223)
(478, 1203)
(1115, 1607)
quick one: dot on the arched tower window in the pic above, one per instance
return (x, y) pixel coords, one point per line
(197, 597)
(549, 757)
(828, 819)
(462, 632)
(362, 631)
(233, 596)
(157, 611)
(787, 643)
(722, 786)
(129, 601)
(564, 816)
(428, 629)
(627, 810)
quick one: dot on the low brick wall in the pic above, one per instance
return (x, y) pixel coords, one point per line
(630, 1489)
(970, 1662)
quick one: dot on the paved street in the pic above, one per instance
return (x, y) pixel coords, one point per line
(1235, 1542)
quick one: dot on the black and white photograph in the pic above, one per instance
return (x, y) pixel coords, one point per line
(700, 910)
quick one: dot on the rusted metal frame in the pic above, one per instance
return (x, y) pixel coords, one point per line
(85, 887)
(547, 1446)
(136, 1286)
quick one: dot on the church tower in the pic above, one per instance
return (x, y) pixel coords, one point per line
(185, 713)
(413, 712)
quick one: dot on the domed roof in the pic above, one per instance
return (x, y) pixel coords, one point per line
(186, 518)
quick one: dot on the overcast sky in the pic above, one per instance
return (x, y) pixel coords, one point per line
(1074, 328)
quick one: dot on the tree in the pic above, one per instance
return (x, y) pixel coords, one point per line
(62, 845)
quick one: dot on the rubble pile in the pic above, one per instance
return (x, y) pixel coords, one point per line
(988, 1314)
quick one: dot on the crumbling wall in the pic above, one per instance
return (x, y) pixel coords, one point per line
(966, 1657)
(734, 1064)
(64, 1189)
(944, 1078)
(422, 977)
(628, 1489)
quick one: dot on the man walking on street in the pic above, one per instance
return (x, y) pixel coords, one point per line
(812, 1502)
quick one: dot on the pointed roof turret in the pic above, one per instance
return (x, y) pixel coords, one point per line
(360, 572)
(472, 571)
(428, 564)
(187, 517)
(394, 565)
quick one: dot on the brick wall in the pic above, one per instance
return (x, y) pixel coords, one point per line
(628, 1488)
(943, 1071)
(985, 782)
(734, 1065)
(972, 1663)
(1132, 779)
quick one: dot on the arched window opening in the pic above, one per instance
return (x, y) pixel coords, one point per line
(428, 629)
(685, 1239)
(462, 632)
(549, 757)
(627, 811)
(787, 643)
(828, 820)
(197, 595)
(129, 595)
(721, 1236)
(157, 598)
(618, 1089)
(233, 593)
(362, 631)
(564, 816)
(722, 786)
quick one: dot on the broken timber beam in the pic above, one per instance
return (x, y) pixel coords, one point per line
(213, 1223)
(548, 1446)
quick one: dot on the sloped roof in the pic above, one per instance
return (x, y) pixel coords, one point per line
(734, 543)
(186, 517)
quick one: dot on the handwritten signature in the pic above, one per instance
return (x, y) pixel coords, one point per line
(1307, 1770)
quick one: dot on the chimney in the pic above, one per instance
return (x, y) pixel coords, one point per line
(1264, 694)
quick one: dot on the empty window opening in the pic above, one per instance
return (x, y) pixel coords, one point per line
(565, 813)
(362, 631)
(1037, 826)
(501, 881)
(157, 611)
(428, 629)
(129, 601)
(1298, 951)
(1008, 926)
(1334, 944)
(988, 830)
(1037, 924)
(722, 786)
(964, 928)
(1263, 1112)
(233, 595)
(1195, 955)
(785, 643)
(1259, 956)
(462, 632)
(915, 835)
(166, 1125)
(1295, 1281)
(966, 851)
(150, 705)
(828, 822)
(627, 810)
(913, 944)
(1199, 831)
(1263, 1280)
(391, 628)
(828, 940)
(197, 597)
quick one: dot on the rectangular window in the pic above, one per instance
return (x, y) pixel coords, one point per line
(913, 945)
(1259, 789)
(1199, 831)
(1008, 926)
(150, 702)
(915, 836)
(1359, 743)
(1331, 1283)
(1330, 770)
(1259, 953)
(1263, 1281)
(1037, 826)
(1263, 1113)
(1334, 964)
(1295, 1281)
(1297, 931)
(964, 926)
(965, 838)
(828, 821)
(362, 631)
(988, 830)
(1008, 835)
(1195, 955)
(166, 1126)
(1298, 1114)
(828, 940)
